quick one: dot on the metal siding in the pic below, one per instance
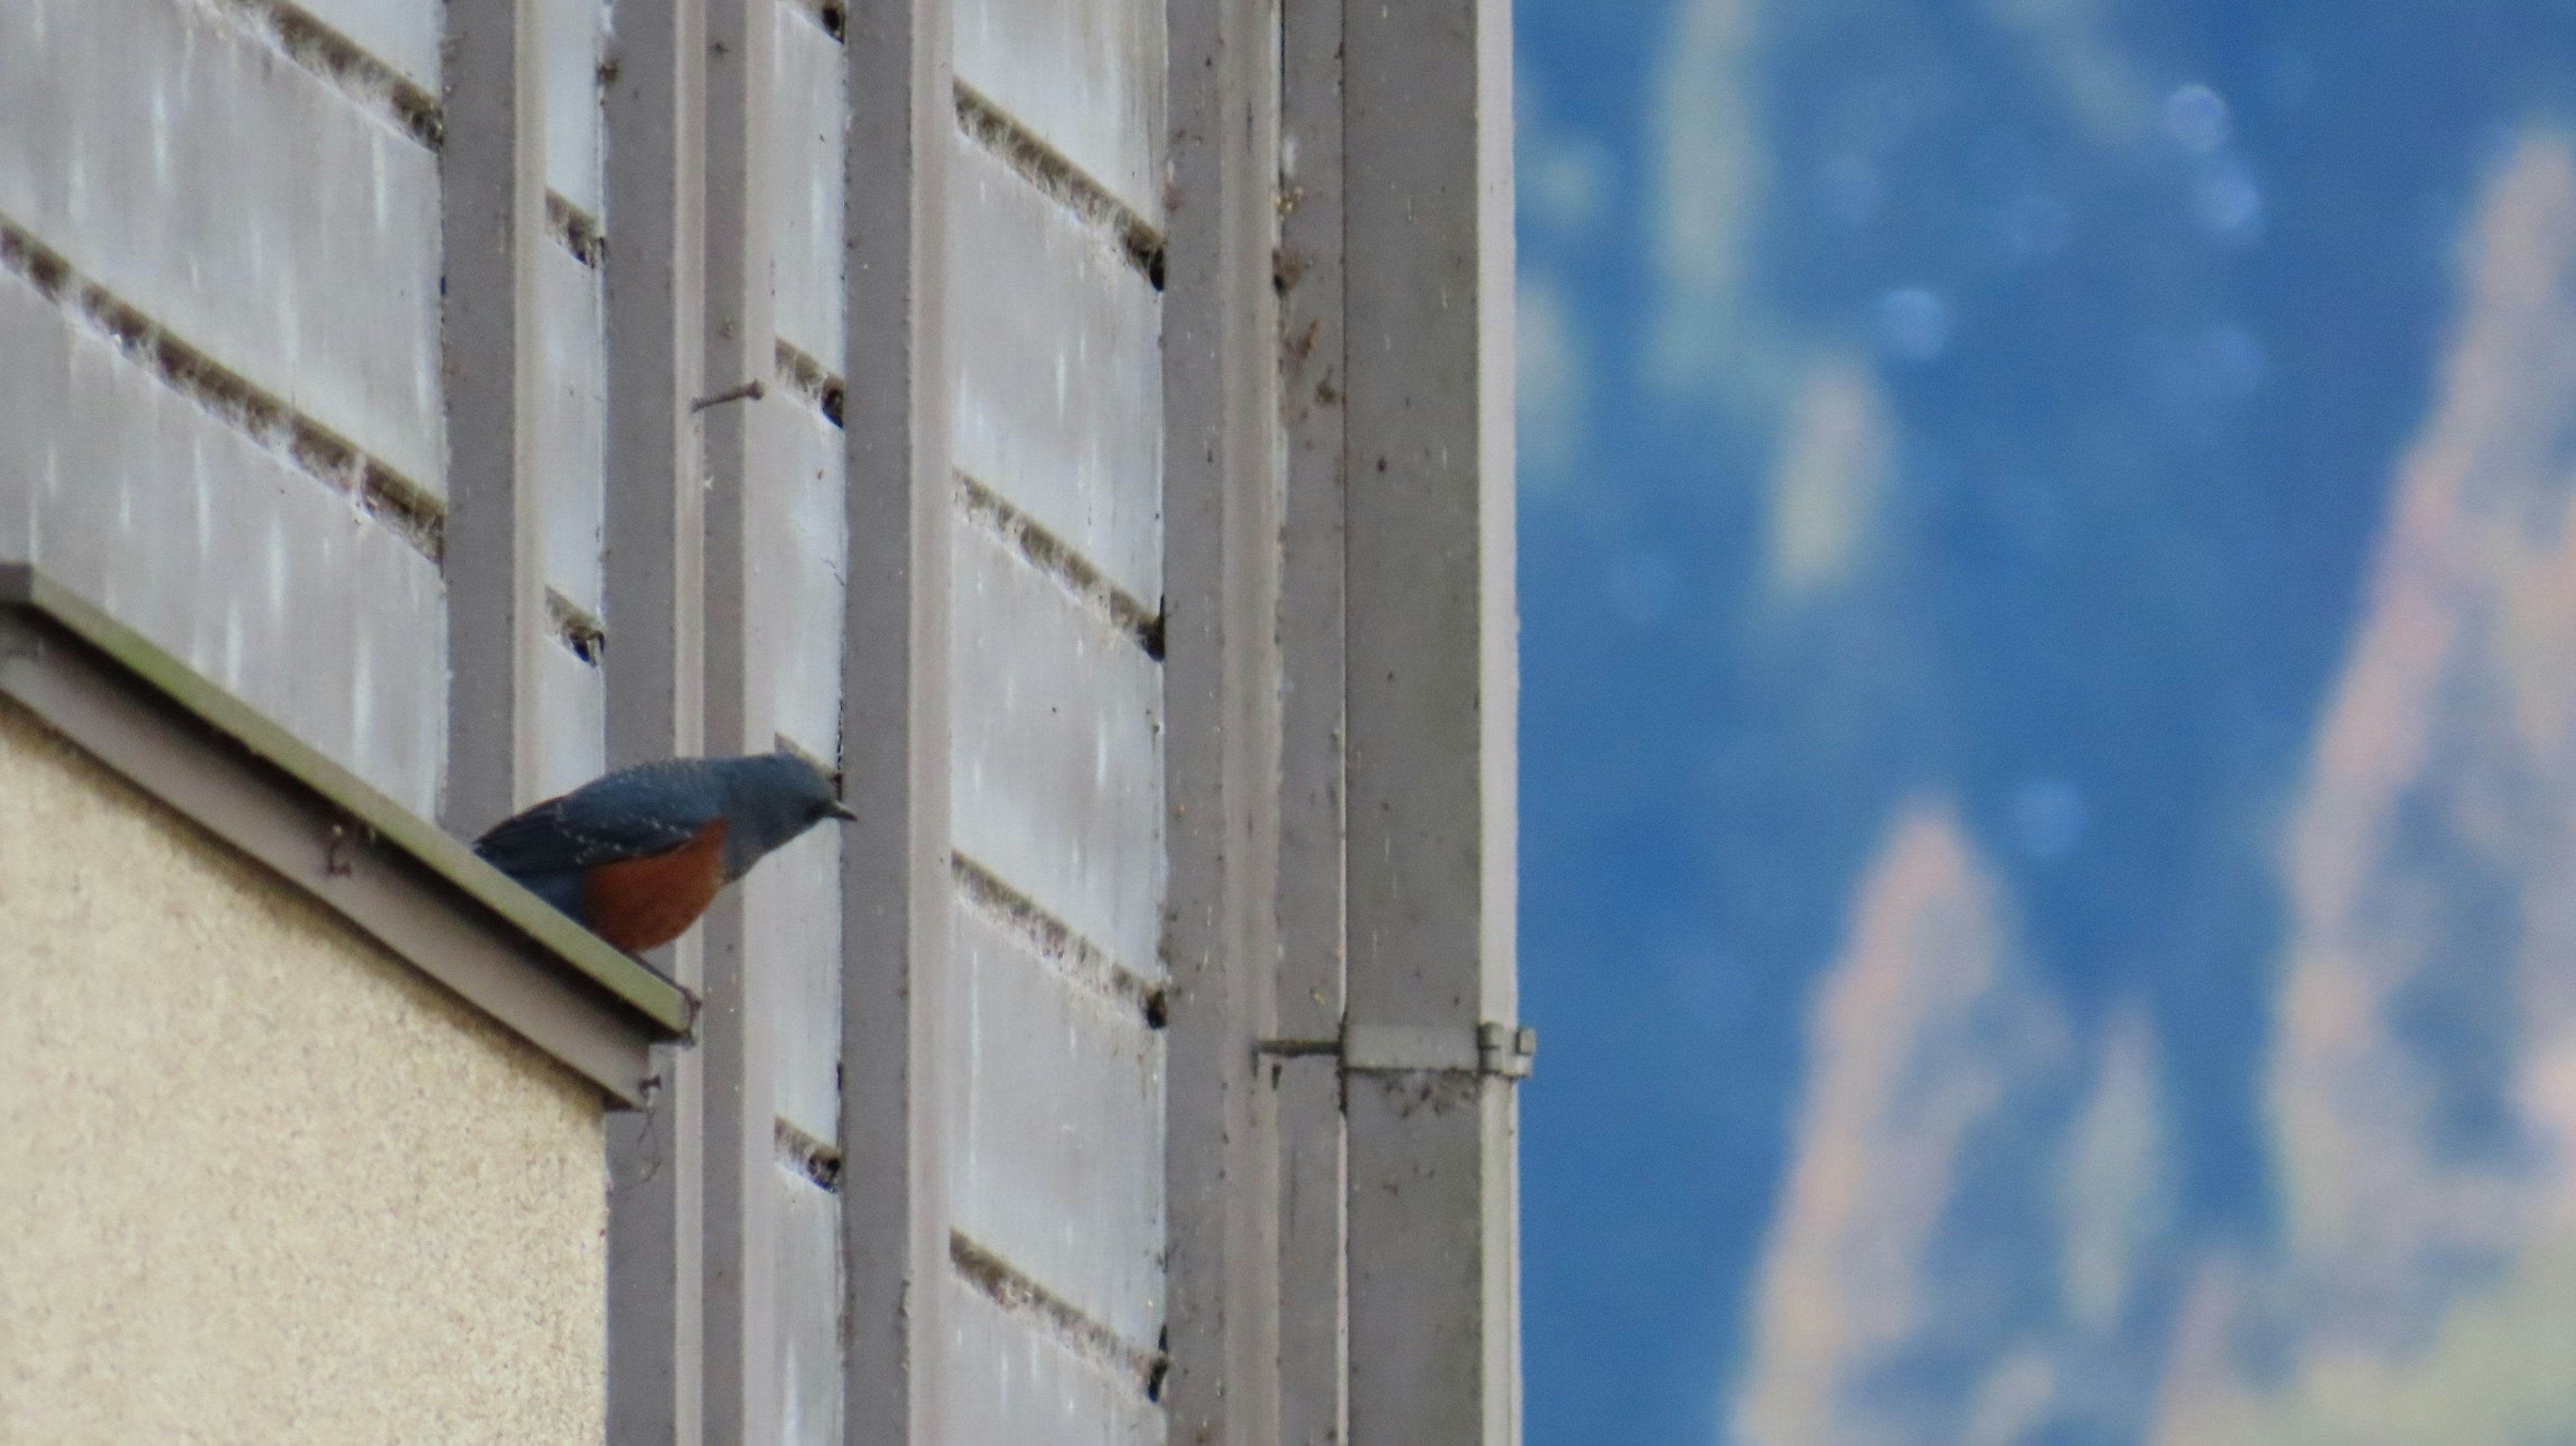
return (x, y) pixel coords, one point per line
(493, 220)
(404, 34)
(575, 41)
(1059, 399)
(1057, 775)
(572, 721)
(809, 1307)
(794, 901)
(1432, 702)
(809, 121)
(655, 537)
(1313, 1325)
(895, 729)
(238, 200)
(1087, 75)
(1223, 755)
(212, 546)
(800, 531)
(1056, 1131)
(572, 425)
(1011, 1382)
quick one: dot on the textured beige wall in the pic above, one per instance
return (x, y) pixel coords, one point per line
(258, 1181)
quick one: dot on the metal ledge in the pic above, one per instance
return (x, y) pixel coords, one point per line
(398, 878)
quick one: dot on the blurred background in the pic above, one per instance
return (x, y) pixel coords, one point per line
(2050, 721)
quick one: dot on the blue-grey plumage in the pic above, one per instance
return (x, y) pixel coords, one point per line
(738, 809)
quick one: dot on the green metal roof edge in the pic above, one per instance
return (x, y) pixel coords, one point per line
(594, 958)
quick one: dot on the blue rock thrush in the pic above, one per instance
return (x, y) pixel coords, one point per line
(636, 856)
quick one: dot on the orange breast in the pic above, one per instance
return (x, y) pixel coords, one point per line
(643, 904)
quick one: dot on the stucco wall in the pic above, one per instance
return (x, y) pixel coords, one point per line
(258, 1181)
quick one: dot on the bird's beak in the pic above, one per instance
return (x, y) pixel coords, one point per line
(844, 812)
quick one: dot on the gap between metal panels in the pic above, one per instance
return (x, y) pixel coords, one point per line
(1072, 957)
(403, 506)
(1006, 139)
(993, 514)
(1035, 1306)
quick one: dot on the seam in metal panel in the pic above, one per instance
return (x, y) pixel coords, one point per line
(576, 627)
(268, 420)
(829, 16)
(1033, 1305)
(1070, 956)
(1031, 157)
(821, 387)
(1021, 535)
(817, 1160)
(576, 231)
(369, 84)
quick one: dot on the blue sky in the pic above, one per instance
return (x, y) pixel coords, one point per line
(1997, 403)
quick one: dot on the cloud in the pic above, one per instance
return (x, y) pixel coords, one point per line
(1926, 1036)
(2069, 42)
(2422, 1086)
(1709, 185)
(2115, 1198)
(1830, 482)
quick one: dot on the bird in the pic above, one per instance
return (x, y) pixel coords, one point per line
(636, 856)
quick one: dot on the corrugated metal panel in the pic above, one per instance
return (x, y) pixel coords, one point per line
(1055, 1127)
(214, 547)
(1057, 775)
(1086, 75)
(1057, 350)
(575, 44)
(403, 34)
(239, 201)
(809, 122)
(1010, 1381)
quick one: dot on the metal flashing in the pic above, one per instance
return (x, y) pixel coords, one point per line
(399, 879)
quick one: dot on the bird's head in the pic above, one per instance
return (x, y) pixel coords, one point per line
(771, 799)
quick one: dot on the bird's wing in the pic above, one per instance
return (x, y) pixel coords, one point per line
(601, 824)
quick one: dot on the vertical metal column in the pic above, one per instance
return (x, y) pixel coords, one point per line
(743, 1392)
(896, 888)
(1221, 695)
(656, 675)
(1313, 1323)
(1433, 695)
(493, 179)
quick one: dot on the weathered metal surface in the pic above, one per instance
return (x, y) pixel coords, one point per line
(745, 1391)
(799, 530)
(1222, 758)
(809, 1310)
(271, 584)
(575, 34)
(572, 721)
(809, 116)
(1314, 1358)
(1433, 694)
(1057, 775)
(655, 538)
(895, 728)
(1055, 1128)
(1058, 367)
(493, 222)
(1010, 1381)
(794, 903)
(403, 34)
(572, 423)
(239, 201)
(1313, 1325)
(1086, 75)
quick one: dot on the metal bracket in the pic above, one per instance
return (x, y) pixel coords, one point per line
(1502, 1051)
